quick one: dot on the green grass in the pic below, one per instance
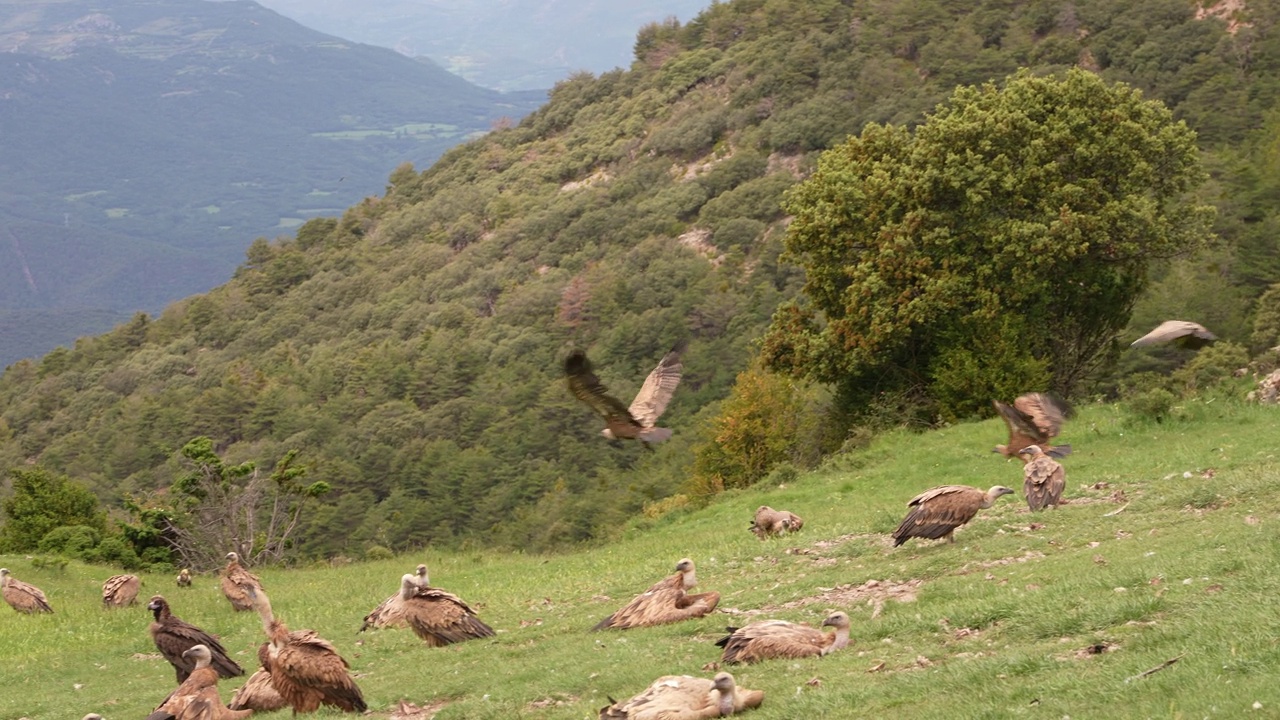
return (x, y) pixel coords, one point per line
(999, 626)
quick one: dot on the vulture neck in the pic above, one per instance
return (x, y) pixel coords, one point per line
(688, 578)
(725, 704)
(839, 640)
(162, 612)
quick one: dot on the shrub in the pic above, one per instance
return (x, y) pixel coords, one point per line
(70, 540)
(378, 552)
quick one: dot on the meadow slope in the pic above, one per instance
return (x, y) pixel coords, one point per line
(1167, 549)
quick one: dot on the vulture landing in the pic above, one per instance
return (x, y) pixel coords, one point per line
(389, 612)
(637, 421)
(1183, 333)
(770, 522)
(1033, 419)
(238, 584)
(666, 601)
(197, 697)
(174, 637)
(683, 697)
(305, 669)
(781, 639)
(1045, 479)
(120, 590)
(438, 617)
(21, 596)
(938, 512)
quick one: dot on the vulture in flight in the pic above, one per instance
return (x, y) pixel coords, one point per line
(667, 601)
(184, 578)
(440, 618)
(197, 697)
(305, 669)
(1045, 479)
(120, 590)
(938, 512)
(684, 697)
(1183, 333)
(637, 421)
(781, 639)
(1033, 419)
(21, 596)
(769, 522)
(389, 612)
(257, 693)
(239, 584)
(174, 637)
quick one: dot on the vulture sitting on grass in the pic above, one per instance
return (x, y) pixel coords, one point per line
(622, 422)
(667, 601)
(1045, 479)
(389, 613)
(197, 697)
(683, 697)
(305, 669)
(21, 596)
(238, 584)
(438, 617)
(769, 522)
(938, 512)
(1033, 419)
(184, 578)
(257, 693)
(120, 590)
(174, 637)
(781, 639)
(1183, 333)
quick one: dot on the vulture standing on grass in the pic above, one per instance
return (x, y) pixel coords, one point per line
(1183, 333)
(389, 612)
(258, 694)
(305, 669)
(239, 584)
(197, 697)
(938, 512)
(184, 578)
(637, 421)
(21, 596)
(1045, 479)
(438, 617)
(120, 590)
(1033, 419)
(683, 697)
(781, 639)
(770, 522)
(174, 637)
(667, 601)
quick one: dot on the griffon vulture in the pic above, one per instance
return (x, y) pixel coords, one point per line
(781, 639)
(637, 421)
(306, 670)
(1182, 333)
(258, 694)
(938, 512)
(184, 578)
(769, 522)
(1033, 419)
(438, 617)
(197, 697)
(683, 697)
(174, 637)
(1045, 479)
(389, 612)
(667, 601)
(21, 596)
(238, 584)
(120, 590)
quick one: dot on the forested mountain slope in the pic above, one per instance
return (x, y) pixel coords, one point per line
(411, 349)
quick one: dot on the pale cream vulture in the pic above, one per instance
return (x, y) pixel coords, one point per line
(389, 613)
(239, 584)
(120, 590)
(636, 422)
(258, 694)
(197, 697)
(1033, 419)
(769, 522)
(781, 639)
(666, 601)
(23, 597)
(1044, 480)
(684, 697)
(438, 617)
(174, 637)
(938, 512)
(306, 670)
(184, 578)
(1183, 333)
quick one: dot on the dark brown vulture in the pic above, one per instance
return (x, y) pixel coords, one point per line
(438, 617)
(684, 697)
(257, 693)
(637, 421)
(184, 578)
(21, 596)
(769, 522)
(667, 601)
(1033, 419)
(1045, 479)
(120, 590)
(1182, 333)
(781, 639)
(197, 697)
(238, 584)
(938, 512)
(174, 637)
(306, 670)
(389, 613)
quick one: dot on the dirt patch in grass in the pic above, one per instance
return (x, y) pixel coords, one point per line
(406, 710)
(987, 564)
(556, 701)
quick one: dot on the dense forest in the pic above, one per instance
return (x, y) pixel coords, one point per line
(410, 350)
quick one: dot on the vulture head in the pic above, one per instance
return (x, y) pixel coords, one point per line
(1030, 450)
(421, 574)
(995, 492)
(685, 568)
(4, 576)
(723, 682)
(234, 557)
(200, 654)
(157, 604)
(838, 619)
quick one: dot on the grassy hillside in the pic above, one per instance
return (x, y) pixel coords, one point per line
(1166, 550)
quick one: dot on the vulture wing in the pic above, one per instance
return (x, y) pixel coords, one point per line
(938, 512)
(1043, 412)
(585, 386)
(441, 618)
(658, 387)
(120, 590)
(670, 696)
(25, 598)
(389, 613)
(174, 637)
(258, 694)
(307, 671)
(1045, 480)
(237, 584)
(664, 602)
(1180, 332)
(773, 639)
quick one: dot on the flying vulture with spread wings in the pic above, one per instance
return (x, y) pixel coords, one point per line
(1033, 419)
(637, 421)
(1183, 333)
(938, 512)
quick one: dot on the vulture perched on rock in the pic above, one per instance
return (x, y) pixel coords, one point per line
(389, 613)
(239, 584)
(197, 697)
(667, 601)
(1045, 479)
(1033, 419)
(637, 421)
(184, 578)
(120, 590)
(683, 697)
(781, 639)
(305, 669)
(21, 596)
(938, 512)
(769, 522)
(174, 637)
(438, 617)
(258, 693)
(1183, 333)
